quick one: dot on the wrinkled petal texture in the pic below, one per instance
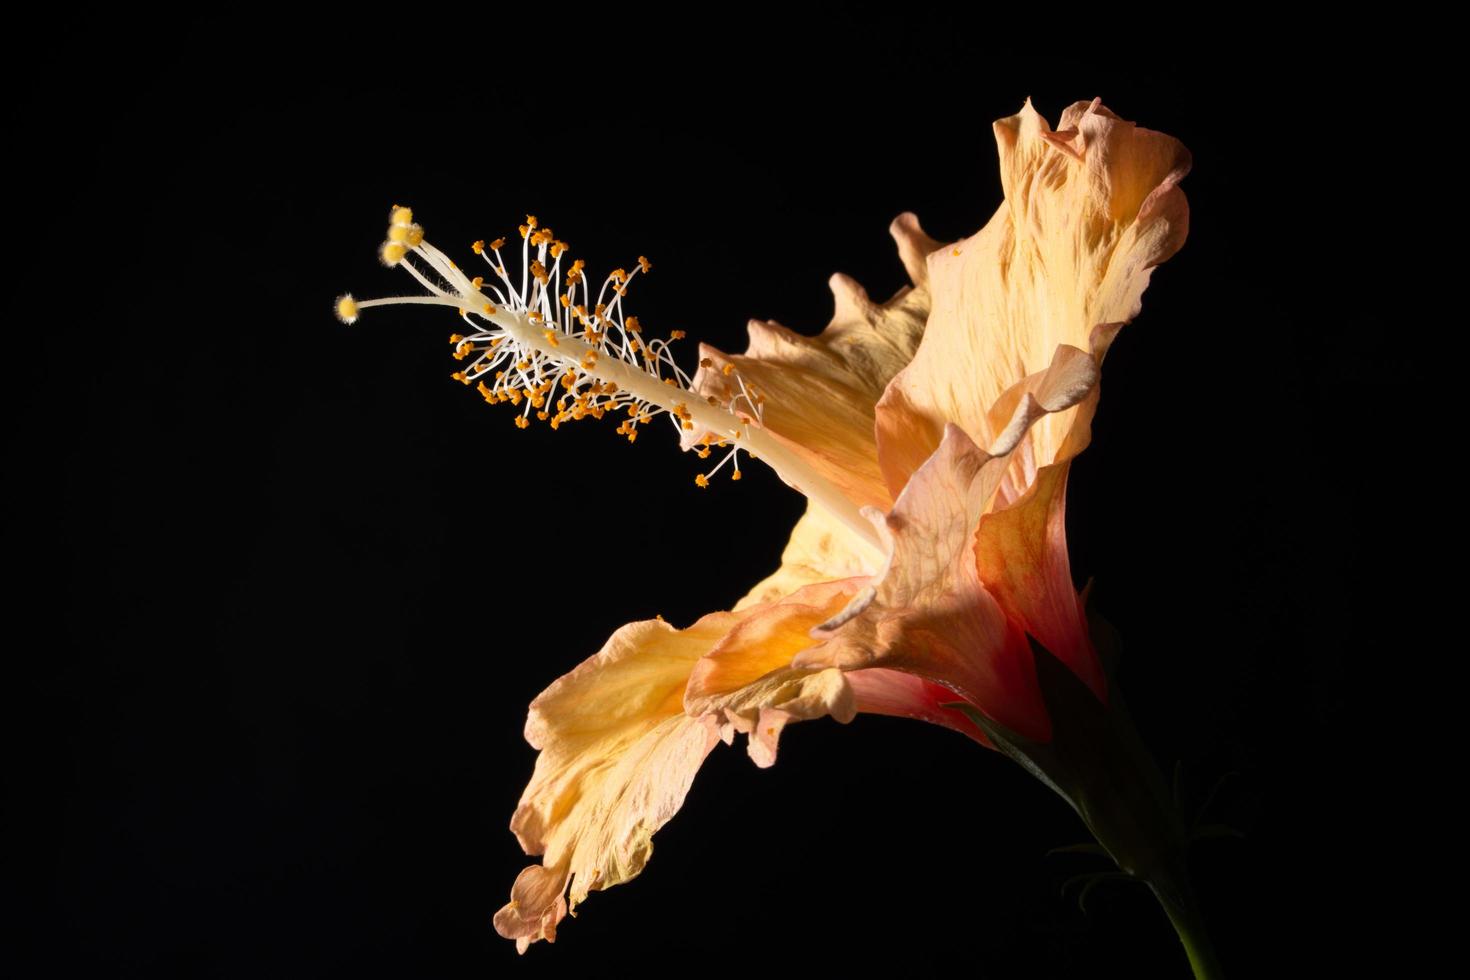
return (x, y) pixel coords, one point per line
(929, 612)
(617, 756)
(949, 414)
(1089, 210)
(819, 393)
(618, 750)
(748, 684)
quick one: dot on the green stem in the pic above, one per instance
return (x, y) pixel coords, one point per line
(1098, 764)
(1179, 903)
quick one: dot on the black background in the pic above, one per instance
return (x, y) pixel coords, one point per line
(269, 719)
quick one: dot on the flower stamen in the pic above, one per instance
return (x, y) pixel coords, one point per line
(523, 343)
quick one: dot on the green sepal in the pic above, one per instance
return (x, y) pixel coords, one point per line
(1096, 763)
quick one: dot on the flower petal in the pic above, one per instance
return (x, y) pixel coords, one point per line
(821, 549)
(619, 752)
(929, 611)
(881, 691)
(1021, 553)
(1089, 211)
(747, 684)
(929, 614)
(617, 756)
(820, 392)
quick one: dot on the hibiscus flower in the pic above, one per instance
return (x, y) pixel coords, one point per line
(933, 435)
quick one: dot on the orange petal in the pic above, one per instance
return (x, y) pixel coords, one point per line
(747, 684)
(1021, 553)
(820, 392)
(619, 752)
(929, 614)
(1089, 211)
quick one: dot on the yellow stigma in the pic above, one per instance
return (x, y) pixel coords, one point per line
(400, 215)
(392, 253)
(347, 309)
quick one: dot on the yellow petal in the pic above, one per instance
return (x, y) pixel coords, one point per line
(820, 392)
(1089, 211)
(821, 549)
(619, 751)
(617, 756)
(747, 683)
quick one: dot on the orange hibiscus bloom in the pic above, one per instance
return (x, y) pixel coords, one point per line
(933, 435)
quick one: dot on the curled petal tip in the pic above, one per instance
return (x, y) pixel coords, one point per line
(914, 246)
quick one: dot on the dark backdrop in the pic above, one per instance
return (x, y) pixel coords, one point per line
(268, 721)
